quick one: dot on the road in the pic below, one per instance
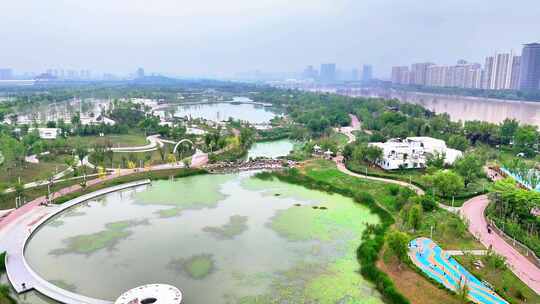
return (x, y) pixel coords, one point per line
(525, 270)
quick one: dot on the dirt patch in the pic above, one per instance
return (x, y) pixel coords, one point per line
(414, 286)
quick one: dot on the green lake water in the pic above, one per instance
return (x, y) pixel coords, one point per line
(271, 149)
(219, 238)
(222, 111)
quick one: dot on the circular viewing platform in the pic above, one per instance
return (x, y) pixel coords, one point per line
(151, 293)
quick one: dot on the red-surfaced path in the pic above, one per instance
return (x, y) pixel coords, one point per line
(473, 211)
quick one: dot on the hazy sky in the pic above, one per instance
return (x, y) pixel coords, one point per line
(219, 37)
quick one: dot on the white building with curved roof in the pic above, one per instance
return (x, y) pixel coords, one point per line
(413, 152)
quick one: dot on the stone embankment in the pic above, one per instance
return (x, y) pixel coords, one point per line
(257, 164)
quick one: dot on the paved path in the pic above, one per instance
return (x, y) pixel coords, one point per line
(473, 211)
(341, 167)
(152, 146)
(348, 131)
(18, 270)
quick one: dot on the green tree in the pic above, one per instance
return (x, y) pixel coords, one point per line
(469, 167)
(508, 130)
(447, 182)
(414, 218)
(246, 137)
(526, 139)
(428, 202)
(398, 244)
(364, 152)
(163, 151)
(76, 119)
(436, 160)
(82, 151)
(458, 142)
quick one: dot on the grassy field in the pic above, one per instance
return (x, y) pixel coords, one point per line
(502, 279)
(340, 138)
(415, 177)
(118, 140)
(32, 172)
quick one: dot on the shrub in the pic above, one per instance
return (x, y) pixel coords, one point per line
(428, 203)
(2, 262)
(393, 189)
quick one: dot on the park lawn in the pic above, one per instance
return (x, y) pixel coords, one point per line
(413, 285)
(326, 171)
(502, 279)
(415, 176)
(118, 140)
(32, 172)
(449, 231)
(340, 138)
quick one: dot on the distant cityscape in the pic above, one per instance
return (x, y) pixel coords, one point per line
(501, 71)
(60, 74)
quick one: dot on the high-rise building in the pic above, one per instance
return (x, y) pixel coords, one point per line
(400, 75)
(328, 72)
(310, 73)
(499, 71)
(355, 74)
(367, 73)
(462, 75)
(419, 73)
(473, 76)
(530, 67)
(516, 67)
(6, 74)
(140, 73)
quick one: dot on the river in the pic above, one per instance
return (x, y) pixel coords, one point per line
(465, 108)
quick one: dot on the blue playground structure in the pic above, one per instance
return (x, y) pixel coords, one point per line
(441, 267)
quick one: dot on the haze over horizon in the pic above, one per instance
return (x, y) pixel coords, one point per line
(206, 38)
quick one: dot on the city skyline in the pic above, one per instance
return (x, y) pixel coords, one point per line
(500, 71)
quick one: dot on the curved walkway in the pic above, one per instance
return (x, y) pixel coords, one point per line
(341, 167)
(152, 146)
(348, 131)
(525, 270)
(18, 270)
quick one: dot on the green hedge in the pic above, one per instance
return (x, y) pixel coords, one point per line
(373, 239)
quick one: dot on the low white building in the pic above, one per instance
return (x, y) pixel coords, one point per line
(47, 133)
(413, 152)
(96, 120)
